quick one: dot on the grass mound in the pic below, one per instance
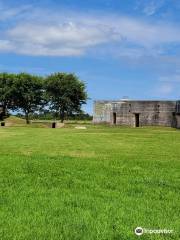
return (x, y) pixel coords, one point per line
(13, 121)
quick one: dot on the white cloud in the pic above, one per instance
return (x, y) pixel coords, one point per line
(6, 46)
(67, 34)
(9, 13)
(73, 34)
(152, 7)
(149, 7)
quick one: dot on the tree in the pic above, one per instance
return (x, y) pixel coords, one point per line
(65, 93)
(6, 83)
(27, 94)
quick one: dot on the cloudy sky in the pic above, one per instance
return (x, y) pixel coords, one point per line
(119, 48)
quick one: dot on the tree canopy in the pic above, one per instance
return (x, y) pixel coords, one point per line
(6, 87)
(65, 93)
(27, 93)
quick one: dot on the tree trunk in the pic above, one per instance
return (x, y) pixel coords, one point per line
(3, 113)
(27, 118)
(1, 117)
(62, 115)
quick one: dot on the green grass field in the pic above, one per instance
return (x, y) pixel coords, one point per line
(98, 183)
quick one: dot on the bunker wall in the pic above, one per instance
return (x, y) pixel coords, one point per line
(148, 113)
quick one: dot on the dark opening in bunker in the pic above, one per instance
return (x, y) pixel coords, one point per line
(54, 125)
(2, 124)
(136, 119)
(114, 118)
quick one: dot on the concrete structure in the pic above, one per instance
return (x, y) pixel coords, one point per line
(138, 113)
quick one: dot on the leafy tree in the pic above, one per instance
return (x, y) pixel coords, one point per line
(27, 94)
(66, 93)
(6, 84)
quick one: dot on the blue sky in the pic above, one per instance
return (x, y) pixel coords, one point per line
(119, 48)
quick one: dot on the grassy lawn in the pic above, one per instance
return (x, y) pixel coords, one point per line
(98, 183)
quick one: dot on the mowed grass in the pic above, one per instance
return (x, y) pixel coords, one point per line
(98, 183)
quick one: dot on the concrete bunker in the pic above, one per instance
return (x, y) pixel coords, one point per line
(136, 113)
